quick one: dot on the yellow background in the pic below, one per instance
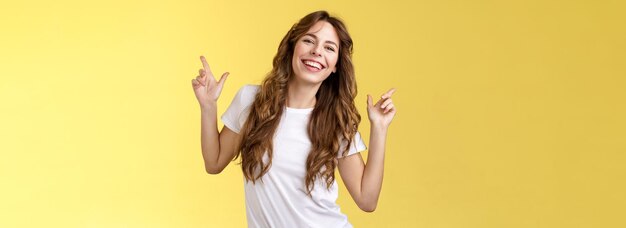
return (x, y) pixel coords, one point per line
(510, 113)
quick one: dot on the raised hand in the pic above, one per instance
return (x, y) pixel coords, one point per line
(381, 113)
(206, 88)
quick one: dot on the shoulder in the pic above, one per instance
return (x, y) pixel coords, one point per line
(247, 93)
(250, 89)
(236, 114)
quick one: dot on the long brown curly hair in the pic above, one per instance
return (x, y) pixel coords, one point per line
(334, 118)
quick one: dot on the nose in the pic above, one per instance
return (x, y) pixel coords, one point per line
(315, 51)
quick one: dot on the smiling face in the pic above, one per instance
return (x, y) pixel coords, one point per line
(316, 53)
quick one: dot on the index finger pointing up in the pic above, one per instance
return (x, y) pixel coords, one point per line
(389, 93)
(207, 69)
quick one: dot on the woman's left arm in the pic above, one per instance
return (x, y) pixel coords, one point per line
(363, 181)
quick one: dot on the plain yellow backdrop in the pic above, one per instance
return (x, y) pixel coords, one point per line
(510, 113)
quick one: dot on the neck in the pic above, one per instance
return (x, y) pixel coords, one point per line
(300, 95)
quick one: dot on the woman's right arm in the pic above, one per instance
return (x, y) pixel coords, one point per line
(217, 154)
(218, 149)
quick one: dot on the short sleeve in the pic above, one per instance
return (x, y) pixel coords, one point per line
(237, 112)
(357, 145)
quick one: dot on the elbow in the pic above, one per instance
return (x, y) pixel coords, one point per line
(368, 207)
(213, 170)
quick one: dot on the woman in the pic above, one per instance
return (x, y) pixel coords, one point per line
(292, 130)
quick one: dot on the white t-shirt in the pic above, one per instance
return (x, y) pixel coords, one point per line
(280, 199)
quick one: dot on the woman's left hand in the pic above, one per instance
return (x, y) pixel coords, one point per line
(381, 113)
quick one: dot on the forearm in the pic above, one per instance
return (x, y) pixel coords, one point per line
(209, 136)
(372, 181)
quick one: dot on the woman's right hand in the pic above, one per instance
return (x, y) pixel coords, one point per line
(205, 87)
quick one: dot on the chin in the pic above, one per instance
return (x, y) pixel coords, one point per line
(313, 78)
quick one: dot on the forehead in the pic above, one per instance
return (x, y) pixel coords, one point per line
(324, 31)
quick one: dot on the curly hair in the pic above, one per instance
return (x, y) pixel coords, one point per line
(334, 119)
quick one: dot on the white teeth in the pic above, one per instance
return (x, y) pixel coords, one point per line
(313, 64)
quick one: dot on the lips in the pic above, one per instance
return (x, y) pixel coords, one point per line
(313, 65)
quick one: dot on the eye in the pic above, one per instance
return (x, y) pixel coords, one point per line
(330, 48)
(308, 41)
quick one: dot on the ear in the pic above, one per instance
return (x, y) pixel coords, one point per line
(334, 69)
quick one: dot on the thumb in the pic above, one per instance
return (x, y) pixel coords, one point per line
(369, 101)
(223, 79)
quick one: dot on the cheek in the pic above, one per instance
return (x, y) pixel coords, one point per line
(332, 62)
(299, 49)
(296, 54)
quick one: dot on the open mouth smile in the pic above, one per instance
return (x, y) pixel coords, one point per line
(313, 65)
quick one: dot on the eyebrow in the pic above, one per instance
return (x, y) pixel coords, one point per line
(328, 41)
